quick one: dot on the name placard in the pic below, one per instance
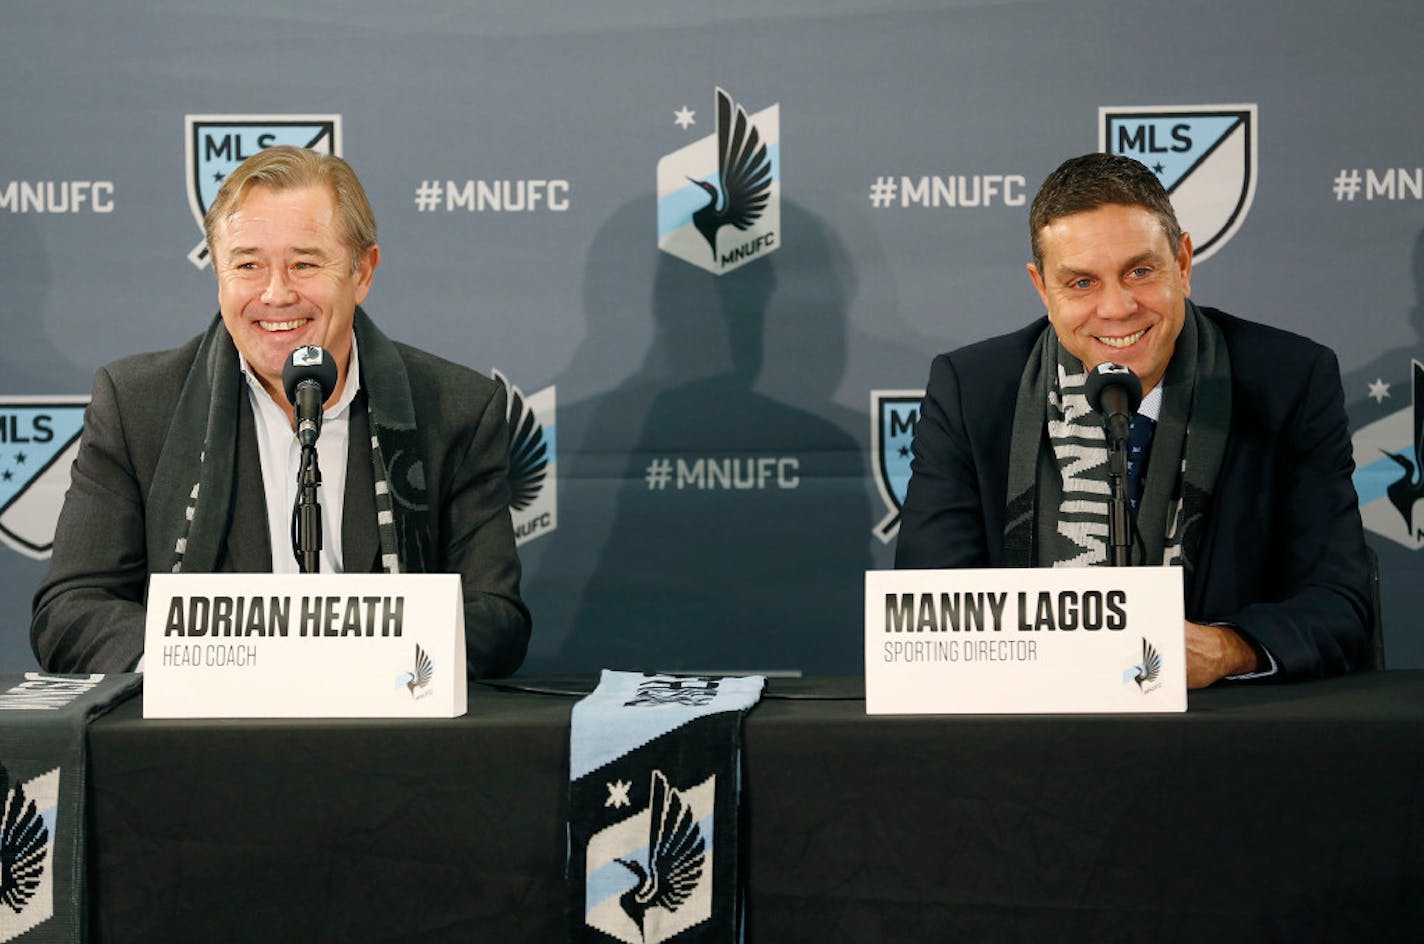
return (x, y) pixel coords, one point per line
(1020, 641)
(304, 646)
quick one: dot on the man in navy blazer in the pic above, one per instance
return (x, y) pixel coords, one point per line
(1261, 512)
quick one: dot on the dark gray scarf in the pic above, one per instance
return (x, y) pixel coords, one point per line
(192, 488)
(1056, 514)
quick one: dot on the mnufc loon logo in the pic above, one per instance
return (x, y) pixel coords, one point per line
(216, 144)
(1205, 155)
(893, 415)
(39, 438)
(533, 461)
(30, 811)
(649, 876)
(1389, 469)
(719, 198)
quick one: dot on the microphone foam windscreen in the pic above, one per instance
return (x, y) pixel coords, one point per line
(309, 362)
(1113, 375)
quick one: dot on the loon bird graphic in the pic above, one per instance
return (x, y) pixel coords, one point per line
(1148, 669)
(528, 453)
(23, 838)
(744, 170)
(424, 669)
(1409, 488)
(676, 854)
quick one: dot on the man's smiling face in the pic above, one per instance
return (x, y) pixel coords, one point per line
(1114, 288)
(285, 279)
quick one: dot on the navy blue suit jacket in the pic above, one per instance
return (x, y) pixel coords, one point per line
(1283, 554)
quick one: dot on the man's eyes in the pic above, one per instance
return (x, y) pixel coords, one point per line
(253, 266)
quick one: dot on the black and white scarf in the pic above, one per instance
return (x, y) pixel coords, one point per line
(1057, 509)
(192, 489)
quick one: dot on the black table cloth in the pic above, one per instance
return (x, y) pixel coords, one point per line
(1265, 813)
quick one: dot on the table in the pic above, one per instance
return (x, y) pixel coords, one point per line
(1265, 813)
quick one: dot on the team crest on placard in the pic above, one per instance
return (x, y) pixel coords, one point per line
(1389, 469)
(649, 876)
(216, 144)
(893, 414)
(39, 438)
(417, 679)
(533, 461)
(719, 198)
(1205, 155)
(1147, 672)
(29, 812)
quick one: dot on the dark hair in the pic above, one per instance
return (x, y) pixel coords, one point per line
(1085, 183)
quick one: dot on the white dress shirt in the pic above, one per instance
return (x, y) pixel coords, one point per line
(281, 455)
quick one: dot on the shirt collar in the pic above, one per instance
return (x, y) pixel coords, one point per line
(1151, 406)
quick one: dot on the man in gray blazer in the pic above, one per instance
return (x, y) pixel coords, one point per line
(188, 461)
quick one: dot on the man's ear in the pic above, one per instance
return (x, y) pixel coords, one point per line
(365, 268)
(1184, 262)
(1036, 277)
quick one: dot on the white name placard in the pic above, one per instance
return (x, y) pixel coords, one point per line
(1030, 640)
(304, 646)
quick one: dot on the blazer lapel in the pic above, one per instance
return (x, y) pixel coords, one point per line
(249, 542)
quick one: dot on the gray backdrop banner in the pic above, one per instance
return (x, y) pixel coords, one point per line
(723, 407)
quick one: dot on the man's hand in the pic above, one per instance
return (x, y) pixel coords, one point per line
(1214, 652)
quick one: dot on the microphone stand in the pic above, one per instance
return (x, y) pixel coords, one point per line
(1119, 520)
(308, 378)
(308, 513)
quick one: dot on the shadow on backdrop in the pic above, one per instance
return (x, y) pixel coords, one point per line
(706, 524)
(30, 363)
(1401, 593)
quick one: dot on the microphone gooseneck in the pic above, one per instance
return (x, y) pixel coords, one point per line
(1115, 392)
(309, 378)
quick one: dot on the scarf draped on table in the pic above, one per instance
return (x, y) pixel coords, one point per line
(192, 489)
(44, 779)
(1057, 508)
(655, 783)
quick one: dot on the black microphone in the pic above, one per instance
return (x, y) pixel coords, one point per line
(1115, 393)
(309, 377)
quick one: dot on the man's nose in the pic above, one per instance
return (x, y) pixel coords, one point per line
(1117, 301)
(278, 290)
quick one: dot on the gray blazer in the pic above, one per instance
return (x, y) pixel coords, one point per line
(89, 611)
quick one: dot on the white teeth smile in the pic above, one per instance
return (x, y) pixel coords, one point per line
(282, 325)
(1126, 341)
